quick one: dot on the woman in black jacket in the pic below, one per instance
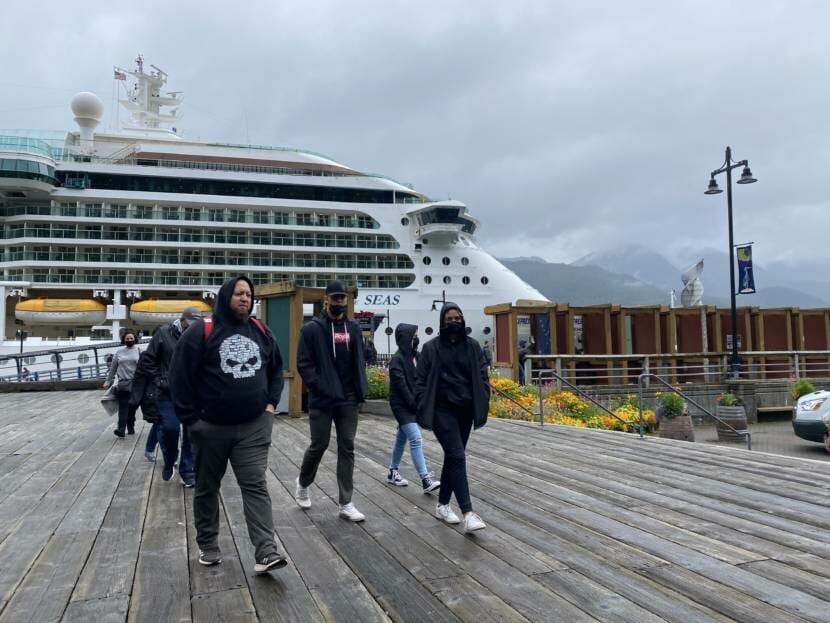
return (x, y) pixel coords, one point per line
(452, 392)
(402, 401)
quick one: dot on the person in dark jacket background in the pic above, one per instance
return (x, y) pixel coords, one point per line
(330, 360)
(402, 401)
(226, 378)
(371, 355)
(156, 362)
(452, 392)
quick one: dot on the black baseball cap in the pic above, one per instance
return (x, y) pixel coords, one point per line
(335, 287)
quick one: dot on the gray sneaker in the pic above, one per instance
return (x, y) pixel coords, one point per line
(209, 557)
(301, 495)
(269, 562)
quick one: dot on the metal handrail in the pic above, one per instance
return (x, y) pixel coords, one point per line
(582, 393)
(518, 404)
(648, 375)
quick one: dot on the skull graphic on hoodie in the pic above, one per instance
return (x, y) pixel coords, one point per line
(239, 356)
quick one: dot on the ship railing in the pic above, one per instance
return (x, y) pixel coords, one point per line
(68, 363)
(695, 367)
(170, 163)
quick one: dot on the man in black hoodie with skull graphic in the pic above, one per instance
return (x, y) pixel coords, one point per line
(330, 360)
(452, 392)
(226, 378)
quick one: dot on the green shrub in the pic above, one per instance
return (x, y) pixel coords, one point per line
(671, 405)
(378, 384)
(800, 388)
(728, 399)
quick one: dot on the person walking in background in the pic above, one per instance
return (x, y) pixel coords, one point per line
(330, 360)
(156, 361)
(402, 401)
(488, 354)
(226, 379)
(453, 397)
(371, 355)
(122, 368)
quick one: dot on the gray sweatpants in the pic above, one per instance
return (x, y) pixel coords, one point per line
(345, 422)
(246, 447)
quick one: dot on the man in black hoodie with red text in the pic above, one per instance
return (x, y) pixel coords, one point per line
(330, 360)
(226, 378)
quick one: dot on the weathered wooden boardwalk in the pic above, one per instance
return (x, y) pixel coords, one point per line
(582, 526)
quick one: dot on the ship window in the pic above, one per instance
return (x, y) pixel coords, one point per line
(445, 261)
(427, 279)
(428, 330)
(448, 280)
(465, 261)
(404, 221)
(485, 281)
(465, 280)
(427, 260)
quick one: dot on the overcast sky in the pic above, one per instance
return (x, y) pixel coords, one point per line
(566, 127)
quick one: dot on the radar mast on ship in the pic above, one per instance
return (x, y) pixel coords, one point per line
(145, 101)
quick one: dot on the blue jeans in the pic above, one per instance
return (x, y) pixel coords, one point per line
(154, 438)
(169, 440)
(409, 432)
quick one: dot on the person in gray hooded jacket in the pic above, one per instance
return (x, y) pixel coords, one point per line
(402, 401)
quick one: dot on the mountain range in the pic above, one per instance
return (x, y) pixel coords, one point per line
(634, 275)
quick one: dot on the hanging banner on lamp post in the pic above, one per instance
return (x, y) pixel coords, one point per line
(746, 280)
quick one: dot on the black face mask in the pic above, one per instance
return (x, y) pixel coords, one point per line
(129, 343)
(337, 310)
(415, 342)
(454, 329)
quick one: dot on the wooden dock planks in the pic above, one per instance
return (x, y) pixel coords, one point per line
(582, 526)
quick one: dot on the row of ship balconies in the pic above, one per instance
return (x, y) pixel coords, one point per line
(170, 278)
(62, 232)
(201, 215)
(202, 257)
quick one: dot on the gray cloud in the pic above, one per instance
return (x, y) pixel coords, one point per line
(566, 129)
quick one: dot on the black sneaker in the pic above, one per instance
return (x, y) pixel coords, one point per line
(130, 430)
(118, 432)
(210, 557)
(188, 482)
(269, 562)
(429, 484)
(166, 473)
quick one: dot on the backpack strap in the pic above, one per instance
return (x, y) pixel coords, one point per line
(260, 326)
(208, 328)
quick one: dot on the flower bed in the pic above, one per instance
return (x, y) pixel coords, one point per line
(564, 407)
(559, 407)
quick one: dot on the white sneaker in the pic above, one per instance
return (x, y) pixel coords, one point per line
(473, 522)
(301, 495)
(445, 513)
(348, 511)
(394, 478)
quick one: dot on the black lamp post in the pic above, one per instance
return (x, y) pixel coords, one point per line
(442, 300)
(746, 178)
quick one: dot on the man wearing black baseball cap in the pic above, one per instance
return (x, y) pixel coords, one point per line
(330, 361)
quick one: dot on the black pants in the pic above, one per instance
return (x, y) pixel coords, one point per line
(126, 413)
(345, 423)
(452, 428)
(246, 447)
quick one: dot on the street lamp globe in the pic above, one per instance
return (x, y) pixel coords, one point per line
(746, 176)
(713, 188)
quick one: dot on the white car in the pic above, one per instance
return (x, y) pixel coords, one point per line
(811, 415)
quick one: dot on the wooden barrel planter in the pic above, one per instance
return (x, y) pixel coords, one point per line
(679, 427)
(735, 417)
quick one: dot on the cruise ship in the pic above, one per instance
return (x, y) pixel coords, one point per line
(105, 230)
